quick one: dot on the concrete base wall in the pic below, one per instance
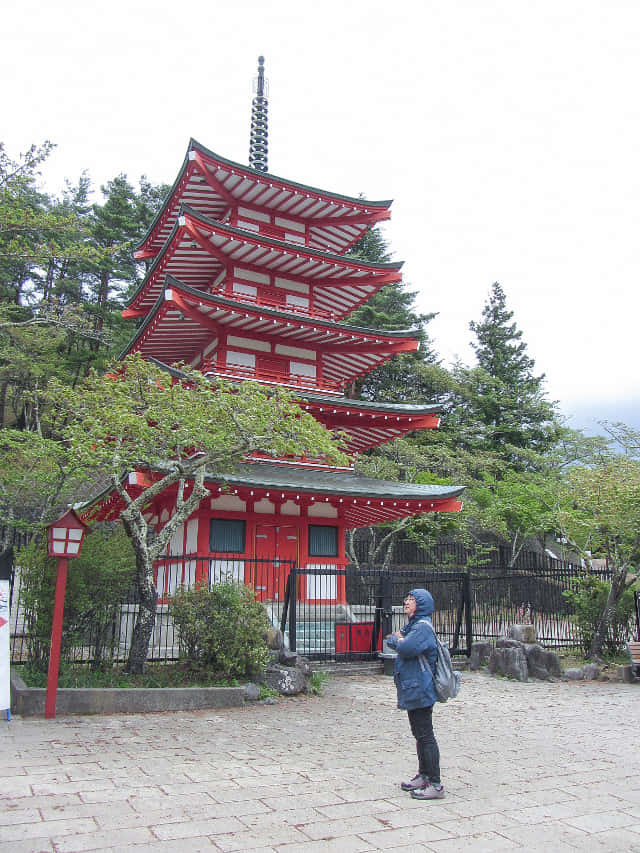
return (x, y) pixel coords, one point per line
(29, 701)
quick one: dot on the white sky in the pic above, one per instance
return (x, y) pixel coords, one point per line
(507, 134)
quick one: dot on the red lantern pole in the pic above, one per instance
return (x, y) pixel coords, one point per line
(64, 540)
(56, 639)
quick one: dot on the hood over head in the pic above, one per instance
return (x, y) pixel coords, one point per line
(424, 601)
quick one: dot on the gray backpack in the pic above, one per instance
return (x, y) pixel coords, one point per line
(445, 679)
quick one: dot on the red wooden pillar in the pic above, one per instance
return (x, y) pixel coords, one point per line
(56, 638)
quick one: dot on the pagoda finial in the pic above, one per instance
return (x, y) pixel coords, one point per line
(259, 145)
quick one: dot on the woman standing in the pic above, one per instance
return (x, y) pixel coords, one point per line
(414, 643)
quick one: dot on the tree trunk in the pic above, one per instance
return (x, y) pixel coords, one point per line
(618, 586)
(146, 593)
(3, 401)
(145, 617)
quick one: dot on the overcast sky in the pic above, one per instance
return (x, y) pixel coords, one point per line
(507, 134)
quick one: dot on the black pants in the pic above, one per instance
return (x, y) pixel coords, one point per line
(426, 744)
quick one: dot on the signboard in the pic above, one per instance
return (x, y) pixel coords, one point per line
(5, 689)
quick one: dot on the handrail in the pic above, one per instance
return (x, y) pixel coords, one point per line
(264, 301)
(260, 374)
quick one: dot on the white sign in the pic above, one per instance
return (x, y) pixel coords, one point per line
(5, 689)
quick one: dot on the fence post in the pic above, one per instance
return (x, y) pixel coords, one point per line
(292, 609)
(285, 604)
(386, 603)
(468, 610)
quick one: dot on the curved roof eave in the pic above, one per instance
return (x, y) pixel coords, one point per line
(172, 282)
(330, 482)
(365, 405)
(194, 144)
(391, 266)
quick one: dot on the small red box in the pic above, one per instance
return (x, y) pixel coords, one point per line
(355, 637)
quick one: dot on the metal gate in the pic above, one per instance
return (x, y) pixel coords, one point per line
(352, 627)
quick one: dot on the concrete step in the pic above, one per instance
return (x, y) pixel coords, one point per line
(358, 667)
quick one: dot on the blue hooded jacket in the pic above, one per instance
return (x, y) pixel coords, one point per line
(414, 682)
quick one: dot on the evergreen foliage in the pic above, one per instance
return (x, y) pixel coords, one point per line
(500, 405)
(222, 628)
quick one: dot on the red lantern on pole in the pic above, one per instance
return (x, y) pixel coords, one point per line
(64, 541)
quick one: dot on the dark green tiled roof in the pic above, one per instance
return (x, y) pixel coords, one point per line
(328, 482)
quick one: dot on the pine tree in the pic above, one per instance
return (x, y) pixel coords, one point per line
(411, 377)
(502, 404)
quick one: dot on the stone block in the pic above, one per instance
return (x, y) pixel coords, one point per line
(523, 633)
(542, 663)
(625, 674)
(29, 701)
(480, 655)
(510, 661)
(509, 643)
(251, 692)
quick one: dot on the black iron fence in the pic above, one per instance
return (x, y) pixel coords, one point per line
(330, 612)
(450, 555)
(92, 636)
(352, 624)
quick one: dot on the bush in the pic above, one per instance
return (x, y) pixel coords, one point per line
(588, 599)
(97, 582)
(222, 627)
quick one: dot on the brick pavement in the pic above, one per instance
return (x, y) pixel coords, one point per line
(527, 766)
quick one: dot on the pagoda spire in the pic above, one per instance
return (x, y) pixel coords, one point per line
(259, 145)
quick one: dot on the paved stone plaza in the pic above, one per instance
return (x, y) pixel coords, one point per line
(532, 766)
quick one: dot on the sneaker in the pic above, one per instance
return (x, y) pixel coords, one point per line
(430, 792)
(418, 783)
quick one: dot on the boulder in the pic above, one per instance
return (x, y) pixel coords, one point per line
(273, 638)
(542, 663)
(287, 680)
(574, 674)
(590, 671)
(509, 660)
(287, 658)
(479, 655)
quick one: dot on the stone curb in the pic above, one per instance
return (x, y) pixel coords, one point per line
(29, 701)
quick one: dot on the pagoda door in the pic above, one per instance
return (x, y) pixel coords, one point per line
(274, 544)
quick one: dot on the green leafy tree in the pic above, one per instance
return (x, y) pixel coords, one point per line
(599, 516)
(588, 597)
(37, 482)
(136, 419)
(518, 507)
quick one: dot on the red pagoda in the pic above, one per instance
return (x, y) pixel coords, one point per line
(248, 280)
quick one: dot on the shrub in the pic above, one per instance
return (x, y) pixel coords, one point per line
(221, 627)
(97, 582)
(588, 598)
